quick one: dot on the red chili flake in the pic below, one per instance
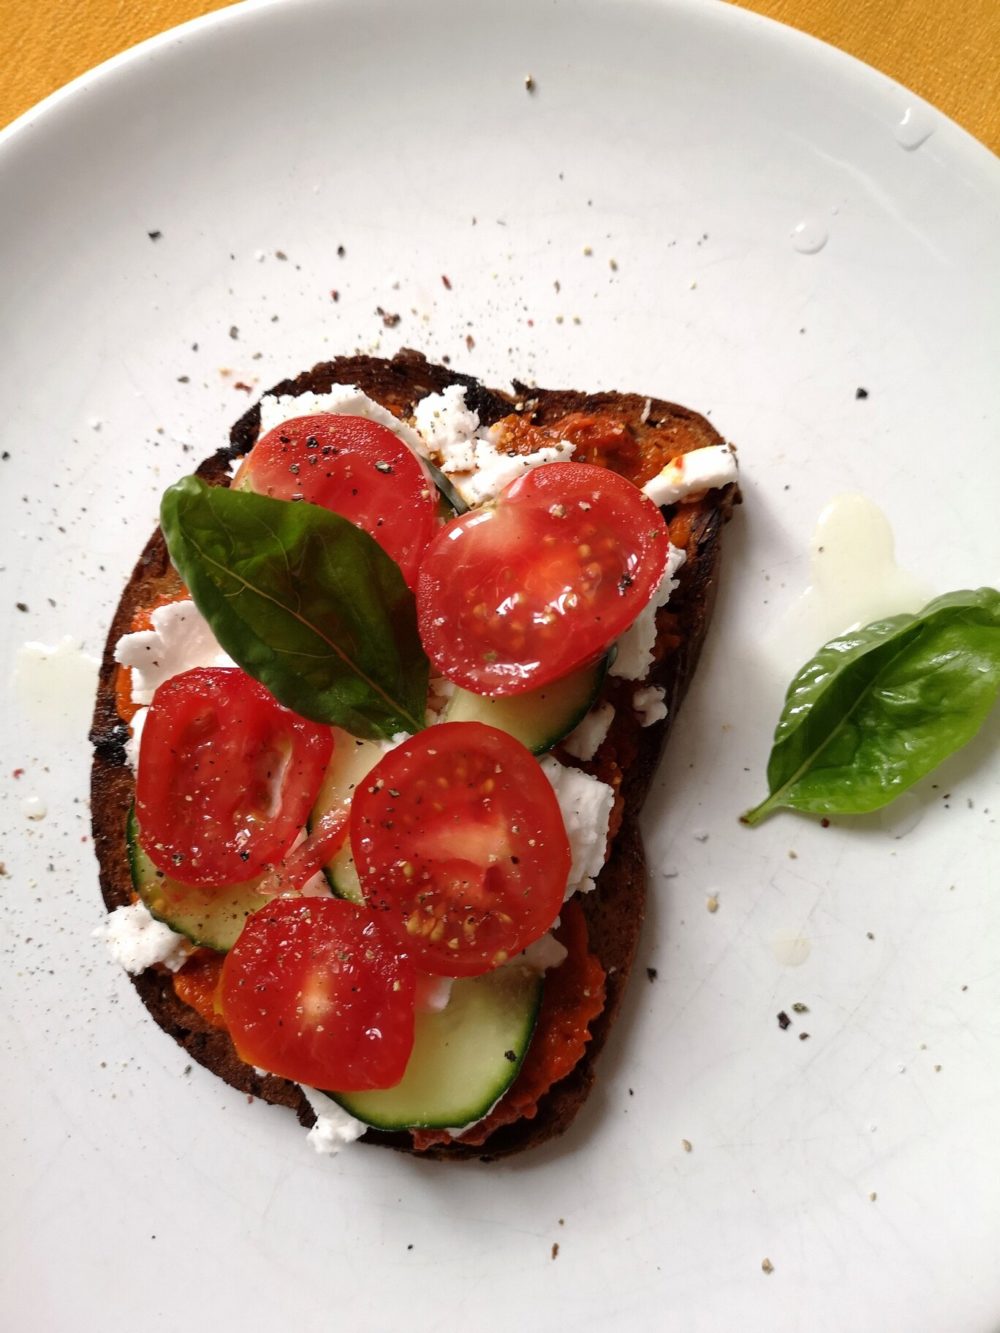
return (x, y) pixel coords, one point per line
(824, 822)
(247, 388)
(18, 773)
(334, 294)
(446, 280)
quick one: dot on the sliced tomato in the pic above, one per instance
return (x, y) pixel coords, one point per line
(227, 776)
(459, 841)
(313, 990)
(355, 467)
(524, 591)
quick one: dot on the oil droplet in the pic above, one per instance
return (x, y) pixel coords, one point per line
(55, 684)
(914, 128)
(790, 949)
(809, 236)
(33, 807)
(853, 580)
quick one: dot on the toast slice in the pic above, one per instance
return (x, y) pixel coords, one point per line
(652, 432)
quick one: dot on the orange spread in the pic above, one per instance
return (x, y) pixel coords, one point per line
(197, 982)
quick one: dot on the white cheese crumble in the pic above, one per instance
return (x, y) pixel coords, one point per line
(541, 954)
(648, 703)
(342, 400)
(635, 647)
(180, 639)
(134, 742)
(334, 1128)
(585, 803)
(448, 426)
(587, 736)
(700, 470)
(495, 470)
(436, 994)
(136, 940)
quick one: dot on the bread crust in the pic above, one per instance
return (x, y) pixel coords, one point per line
(614, 910)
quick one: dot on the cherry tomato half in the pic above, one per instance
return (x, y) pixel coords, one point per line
(459, 841)
(355, 467)
(227, 776)
(524, 591)
(314, 991)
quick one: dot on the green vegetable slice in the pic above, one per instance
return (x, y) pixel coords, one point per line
(304, 602)
(539, 718)
(464, 1058)
(876, 710)
(212, 918)
(351, 761)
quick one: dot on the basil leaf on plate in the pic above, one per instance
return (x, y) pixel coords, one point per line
(305, 602)
(878, 708)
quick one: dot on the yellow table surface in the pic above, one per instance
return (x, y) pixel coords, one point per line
(949, 53)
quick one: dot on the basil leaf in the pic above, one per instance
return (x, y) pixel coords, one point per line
(304, 602)
(875, 710)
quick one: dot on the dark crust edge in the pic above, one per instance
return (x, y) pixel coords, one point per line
(614, 911)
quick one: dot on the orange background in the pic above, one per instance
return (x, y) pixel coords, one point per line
(948, 51)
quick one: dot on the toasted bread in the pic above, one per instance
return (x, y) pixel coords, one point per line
(656, 431)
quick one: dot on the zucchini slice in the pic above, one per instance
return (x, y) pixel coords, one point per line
(464, 1058)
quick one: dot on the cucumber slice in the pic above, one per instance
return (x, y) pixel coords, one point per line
(464, 1058)
(539, 718)
(352, 761)
(209, 917)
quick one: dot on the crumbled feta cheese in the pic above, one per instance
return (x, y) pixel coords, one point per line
(136, 940)
(448, 426)
(586, 738)
(542, 954)
(342, 400)
(435, 995)
(635, 647)
(495, 470)
(586, 804)
(180, 639)
(648, 703)
(700, 470)
(334, 1128)
(134, 742)
(398, 737)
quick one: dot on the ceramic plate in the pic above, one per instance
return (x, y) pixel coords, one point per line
(686, 201)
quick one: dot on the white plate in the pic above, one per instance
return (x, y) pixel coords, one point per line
(685, 142)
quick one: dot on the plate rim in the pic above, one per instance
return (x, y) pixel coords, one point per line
(768, 29)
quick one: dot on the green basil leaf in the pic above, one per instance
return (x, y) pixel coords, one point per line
(304, 602)
(875, 710)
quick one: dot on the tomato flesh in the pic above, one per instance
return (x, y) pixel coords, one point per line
(524, 591)
(356, 467)
(314, 991)
(459, 843)
(227, 776)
